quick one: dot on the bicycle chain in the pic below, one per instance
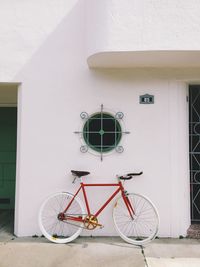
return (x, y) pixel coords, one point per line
(83, 227)
(76, 224)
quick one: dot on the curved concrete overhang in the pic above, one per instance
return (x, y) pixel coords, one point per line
(143, 59)
(142, 33)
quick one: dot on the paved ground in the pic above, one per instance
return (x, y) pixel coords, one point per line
(173, 253)
(88, 252)
(98, 252)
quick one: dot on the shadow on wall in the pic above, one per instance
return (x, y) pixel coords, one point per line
(60, 53)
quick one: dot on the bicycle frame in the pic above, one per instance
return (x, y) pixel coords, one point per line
(82, 187)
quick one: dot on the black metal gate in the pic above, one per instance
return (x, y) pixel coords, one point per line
(194, 133)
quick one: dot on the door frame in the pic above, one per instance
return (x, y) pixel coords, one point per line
(14, 101)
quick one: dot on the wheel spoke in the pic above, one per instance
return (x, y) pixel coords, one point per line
(51, 226)
(140, 229)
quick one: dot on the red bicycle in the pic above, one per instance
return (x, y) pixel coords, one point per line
(62, 216)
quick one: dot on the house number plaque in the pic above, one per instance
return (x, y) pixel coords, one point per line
(146, 99)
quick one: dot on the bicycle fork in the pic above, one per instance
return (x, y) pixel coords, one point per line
(128, 204)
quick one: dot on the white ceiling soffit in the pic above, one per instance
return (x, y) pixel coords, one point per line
(143, 59)
(8, 94)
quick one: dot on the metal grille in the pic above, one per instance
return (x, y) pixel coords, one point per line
(102, 132)
(194, 135)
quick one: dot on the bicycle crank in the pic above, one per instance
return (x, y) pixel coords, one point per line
(91, 222)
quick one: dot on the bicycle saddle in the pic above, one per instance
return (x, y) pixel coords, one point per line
(79, 173)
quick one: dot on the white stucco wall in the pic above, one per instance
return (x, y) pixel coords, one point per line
(24, 26)
(57, 85)
(132, 25)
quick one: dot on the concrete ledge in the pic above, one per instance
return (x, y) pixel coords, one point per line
(173, 248)
(183, 262)
(88, 252)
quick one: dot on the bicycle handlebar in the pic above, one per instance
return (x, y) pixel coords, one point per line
(134, 174)
(129, 176)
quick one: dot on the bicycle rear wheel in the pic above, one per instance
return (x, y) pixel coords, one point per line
(60, 231)
(143, 227)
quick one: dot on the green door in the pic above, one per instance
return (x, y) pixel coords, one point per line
(8, 133)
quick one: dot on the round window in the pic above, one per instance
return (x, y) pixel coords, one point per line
(102, 132)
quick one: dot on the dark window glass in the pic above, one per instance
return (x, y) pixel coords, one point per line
(102, 132)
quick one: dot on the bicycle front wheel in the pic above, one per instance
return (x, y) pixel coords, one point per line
(60, 231)
(142, 227)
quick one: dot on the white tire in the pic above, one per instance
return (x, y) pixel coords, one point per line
(143, 226)
(56, 230)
